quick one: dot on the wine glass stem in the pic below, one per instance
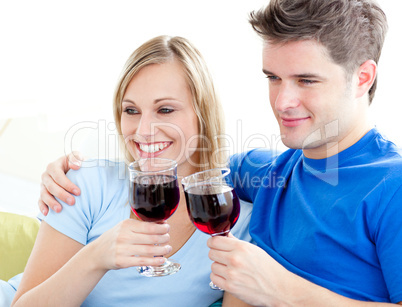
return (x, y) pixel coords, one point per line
(211, 284)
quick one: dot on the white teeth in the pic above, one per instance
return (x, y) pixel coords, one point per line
(153, 147)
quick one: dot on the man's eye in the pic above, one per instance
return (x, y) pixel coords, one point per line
(307, 81)
(131, 111)
(165, 110)
(272, 78)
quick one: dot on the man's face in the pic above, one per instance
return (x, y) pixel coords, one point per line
(311, 97)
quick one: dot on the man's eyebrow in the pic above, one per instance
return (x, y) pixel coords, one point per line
(266, 72)
(308, 76)
(299, 76)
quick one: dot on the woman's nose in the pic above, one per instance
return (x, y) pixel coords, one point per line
(146, 127)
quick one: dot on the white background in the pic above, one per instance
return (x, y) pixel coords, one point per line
(59, 62)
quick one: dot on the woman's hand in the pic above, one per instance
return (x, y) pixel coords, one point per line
(132, 243)
(56, 184)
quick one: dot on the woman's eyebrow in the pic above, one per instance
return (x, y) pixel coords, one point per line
(128, 100)
(156, 101)
(164, 98)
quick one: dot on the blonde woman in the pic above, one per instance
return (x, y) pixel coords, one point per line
(164, 105)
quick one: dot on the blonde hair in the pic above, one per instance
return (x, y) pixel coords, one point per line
(207, 107)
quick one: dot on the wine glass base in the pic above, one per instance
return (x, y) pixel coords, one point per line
(214, 287)
(168, 268)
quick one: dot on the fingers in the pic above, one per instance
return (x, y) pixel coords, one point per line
(227, 251)
(139, 255)
(51, 188)
(150, 235)
(134, 243)
(74, 160)
(47, 201)
(142, 227)
(227, 268)
(55, 178)
(42, 207)
(219, 248)
(147, 250)
(232, 280)
(145, 239)
(222, 243)
(218, 280)
(139, 261)
(231, 236)
(56, 184)
(219, 256)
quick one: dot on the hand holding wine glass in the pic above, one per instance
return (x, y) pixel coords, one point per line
(154, 196)
(212, 204)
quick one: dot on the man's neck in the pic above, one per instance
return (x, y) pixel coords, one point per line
(332, 148)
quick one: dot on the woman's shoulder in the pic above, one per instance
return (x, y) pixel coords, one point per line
(99, 206)
(98, 173)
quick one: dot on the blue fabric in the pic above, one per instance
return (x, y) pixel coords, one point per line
(336, 221)
(104, 203)
(218, 303)
(8, 289)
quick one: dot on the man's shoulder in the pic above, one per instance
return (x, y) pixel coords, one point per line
(262, 157)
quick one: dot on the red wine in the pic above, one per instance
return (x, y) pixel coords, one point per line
(213, 210)
(154, 197)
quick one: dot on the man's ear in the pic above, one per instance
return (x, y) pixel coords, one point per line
(366, 75)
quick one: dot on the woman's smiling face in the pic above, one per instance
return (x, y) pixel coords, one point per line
(158, 118)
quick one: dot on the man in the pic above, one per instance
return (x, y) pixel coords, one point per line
(328, 228)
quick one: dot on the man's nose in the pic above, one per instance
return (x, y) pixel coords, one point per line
(287, 97)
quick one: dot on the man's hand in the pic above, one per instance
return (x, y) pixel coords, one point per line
(247, 271)
(56, 184)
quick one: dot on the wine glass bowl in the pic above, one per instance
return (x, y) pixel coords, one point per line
(154, 196)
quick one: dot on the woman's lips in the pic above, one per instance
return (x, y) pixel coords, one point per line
(293, 122)
(151, 149)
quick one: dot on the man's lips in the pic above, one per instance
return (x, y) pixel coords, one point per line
(293, 121)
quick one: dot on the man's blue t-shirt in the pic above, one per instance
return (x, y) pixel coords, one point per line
(336, 222)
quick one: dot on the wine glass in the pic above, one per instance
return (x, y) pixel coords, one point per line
(212, 204)
(154, 196)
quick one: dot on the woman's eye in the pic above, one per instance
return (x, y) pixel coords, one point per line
(131, 111)
(165, 110)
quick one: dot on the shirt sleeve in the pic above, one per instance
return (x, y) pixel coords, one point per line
(76, 221)
(247, 169)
